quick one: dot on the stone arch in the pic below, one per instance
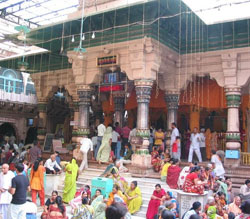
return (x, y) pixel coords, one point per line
(8, 129)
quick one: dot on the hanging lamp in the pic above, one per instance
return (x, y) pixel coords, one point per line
(80, 49)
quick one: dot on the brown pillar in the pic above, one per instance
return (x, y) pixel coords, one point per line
(84, 102)
(42, 122)
(119, 107)
(172, 100)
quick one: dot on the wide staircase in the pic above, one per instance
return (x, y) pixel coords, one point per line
(145, 184)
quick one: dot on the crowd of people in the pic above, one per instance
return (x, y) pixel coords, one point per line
(23, 171)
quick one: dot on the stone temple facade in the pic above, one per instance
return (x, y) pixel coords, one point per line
(157, 48)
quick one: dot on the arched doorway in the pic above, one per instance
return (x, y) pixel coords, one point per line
(31, 135)
(59, 115)
(7, 129)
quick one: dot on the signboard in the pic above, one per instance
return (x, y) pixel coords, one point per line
(107, 61)
(113, 88)
(48, 143)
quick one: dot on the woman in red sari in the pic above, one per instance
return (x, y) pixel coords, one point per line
(155, 160)
(192, 182)
(173, 174)
(155, 201)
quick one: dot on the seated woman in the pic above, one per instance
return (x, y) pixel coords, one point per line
(116, 196)
(235, 206)
(222, 199)
(49, 202)
(57, 210)
(155, 201)
(156, 160)
(134, 198)
(84, 210)
(173, 174)
(192, 182)
(169, 197)
(245, 208)
(219, 205)
(74, 203)
(98, 205)
(119, 180)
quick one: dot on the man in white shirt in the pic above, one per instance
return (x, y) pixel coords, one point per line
(86, 145)
(174, 134)
(52, 166)
(5, 183)
(100, 132)
(195, 146)
(203, 144)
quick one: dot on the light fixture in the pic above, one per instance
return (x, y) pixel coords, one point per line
(93, 35)
(83, 36)
(73, 39)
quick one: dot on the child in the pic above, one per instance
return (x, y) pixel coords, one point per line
(175, 147)
(164, 170)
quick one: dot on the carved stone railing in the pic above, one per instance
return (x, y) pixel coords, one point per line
(245, 158)
(21, 98)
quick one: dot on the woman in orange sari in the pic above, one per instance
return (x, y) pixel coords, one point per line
(208, 137)
(155, 160)
(37, 181)
(116, 196)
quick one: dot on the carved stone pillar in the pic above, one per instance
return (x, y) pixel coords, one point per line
(84, 93)
(119, 107)
(42, 128)
(143, 94)
(172, 100)
(233, 96)
(141, 159)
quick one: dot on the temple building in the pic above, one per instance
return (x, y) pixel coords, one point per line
(141, 63)
(18, 106)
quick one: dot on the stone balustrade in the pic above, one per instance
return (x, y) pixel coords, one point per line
(14, 97)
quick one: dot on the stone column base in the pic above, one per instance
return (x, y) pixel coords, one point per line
(231, 163)
(141, 163)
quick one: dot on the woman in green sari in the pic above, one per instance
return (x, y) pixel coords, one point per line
(70, 181)
(105, 148)
(98, 205)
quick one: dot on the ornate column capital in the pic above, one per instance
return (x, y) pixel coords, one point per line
(233, 96)
(172, 99)
(143, 90)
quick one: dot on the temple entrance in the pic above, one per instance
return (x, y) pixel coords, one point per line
(59, 115)
(31, 135)
(7, 129)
